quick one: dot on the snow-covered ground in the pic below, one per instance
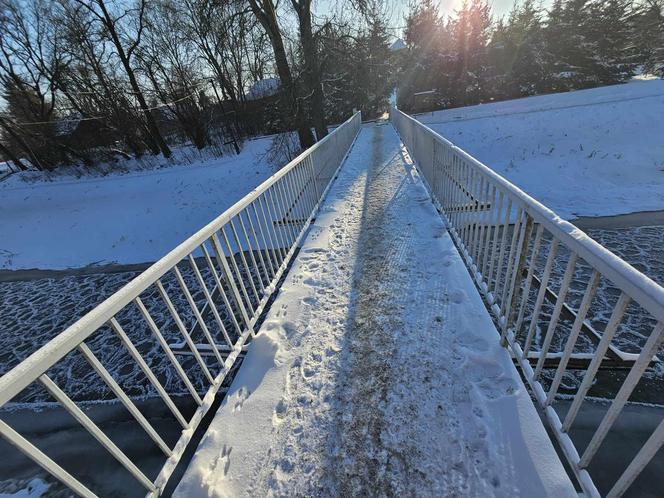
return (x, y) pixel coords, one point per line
(123, 218)
(377, 373)
(585, 153)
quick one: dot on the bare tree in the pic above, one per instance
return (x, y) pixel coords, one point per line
(312, 69)
(265, 12)
(112, 25)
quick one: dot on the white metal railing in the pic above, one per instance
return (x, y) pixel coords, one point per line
(515, 248)
(225, 273)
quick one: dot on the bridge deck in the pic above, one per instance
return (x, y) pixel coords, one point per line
(378, 370)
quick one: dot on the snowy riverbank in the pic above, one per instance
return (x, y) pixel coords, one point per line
(127, 218)
(592, 152)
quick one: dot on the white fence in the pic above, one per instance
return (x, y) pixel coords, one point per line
(225, 274)
(516, 248)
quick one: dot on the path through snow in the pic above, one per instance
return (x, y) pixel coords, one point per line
(378, 371)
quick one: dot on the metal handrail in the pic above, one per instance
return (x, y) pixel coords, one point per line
(246, 251)
(508, 267)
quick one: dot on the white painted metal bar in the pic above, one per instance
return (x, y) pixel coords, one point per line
(197, 314)
(517, 236)
(529, 280)
(602, 348)
(95, 431)
(555, 316)
(122, 396)
(41, 459)
(236, 277)
(221, 261)
(588, 295)
(222, 292)
(635, 373)
(148, 372)
(550, 260)
(210, 301)
(456, 184)
(183, 330)
(167, 350)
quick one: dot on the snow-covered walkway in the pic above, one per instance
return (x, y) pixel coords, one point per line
(378, 371)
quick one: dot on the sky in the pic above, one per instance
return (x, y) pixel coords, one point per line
(397, 9)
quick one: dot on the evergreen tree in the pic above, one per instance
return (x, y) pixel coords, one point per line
(610, 39)
(647, 27)
(517, 53)
(470, 33)
(427, 64)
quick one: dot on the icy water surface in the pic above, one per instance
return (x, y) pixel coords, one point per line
(35, 311)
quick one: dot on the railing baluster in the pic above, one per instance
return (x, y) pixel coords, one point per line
(41, 459)
(636, 372)
(555, 316)
(251, 251)
(167, 350)
(235, 275)
(95, 431)
(210, 301)
(492, 221)
(197, 314)
(517, 235)
(593, 282)
(270, 227)
(223, 264)
(550, 260)
(183, 330)
(122, 396)
(267, 243)
(602, 348)
(247, 268)
(494, 242)
(515, 281)
(483, 224)
(529, 280)
(501, 254)
(148, 372)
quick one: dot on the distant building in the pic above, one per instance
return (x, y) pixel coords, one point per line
(398, 45)
(263, 88)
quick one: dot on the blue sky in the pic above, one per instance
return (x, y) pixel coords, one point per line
(399, 8)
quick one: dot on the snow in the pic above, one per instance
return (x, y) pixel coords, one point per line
(36, 488)
(127, 218)
(377, 372)
(593, 152)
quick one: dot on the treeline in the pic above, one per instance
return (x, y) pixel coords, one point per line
(85, 81)
(468, 59)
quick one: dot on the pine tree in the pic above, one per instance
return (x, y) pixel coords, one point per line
(610, 39)
(517, 53)
(470, 33)
(647, 27)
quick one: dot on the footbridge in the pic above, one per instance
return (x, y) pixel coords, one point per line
(384, 316)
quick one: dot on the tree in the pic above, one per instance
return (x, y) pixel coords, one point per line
(312, 69)
(647, 28)
(470, 36)
(111, 23)
(265, 12)
(517, 53)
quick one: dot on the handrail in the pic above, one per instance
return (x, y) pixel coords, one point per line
(245, 252)
(510, 243)
(651, 294)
